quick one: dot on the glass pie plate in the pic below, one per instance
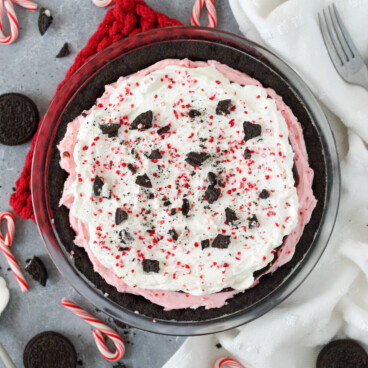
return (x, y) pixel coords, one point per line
(135, 53)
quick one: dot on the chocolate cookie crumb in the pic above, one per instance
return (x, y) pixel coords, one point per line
(97, 185)
(173, 234)
(132, 168)
(247, 154)
(37, 270)
(252, 222)
(143, 181)
(221, 241)
(205, 243)
(110, 129)
(150, 265)
(231, 217)
(163, 130)
(251, 130)
(196, 159)
(185, 207)
(264, 194)
(155, 155)
(193, 113)
(223, 107)
(120, 216)
(64, 51)
(212, 193)
(212, 179)
(44, 20)
(142, 121)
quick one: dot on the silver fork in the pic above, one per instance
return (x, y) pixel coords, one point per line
(343, 53)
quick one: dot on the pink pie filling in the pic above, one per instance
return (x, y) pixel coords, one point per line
(172, 299)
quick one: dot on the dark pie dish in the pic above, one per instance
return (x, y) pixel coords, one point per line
(132, 55)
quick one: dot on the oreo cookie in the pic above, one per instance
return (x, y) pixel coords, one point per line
(342, 353)
(44, 20)
(196, 159)
(150, 265)
(253, 222)
(223, 107)
(231, 218)
(251, 130)
(212, 194)
(64, 51)
(49, 349)
(143, 181)
(163, 130)
(142, 121)
(264, 194)
(110, 129)
(18, 119)
(97, 186)
(193, 113)
(120, 216)
(37, 270)
(247, 154)
(155, 155)
(221, 241)
(185, 207)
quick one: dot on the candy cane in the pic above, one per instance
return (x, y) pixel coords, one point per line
(7, 6)
(211, 10)
(100, 328)
(5, 247)
(226, 363)
(103, 3)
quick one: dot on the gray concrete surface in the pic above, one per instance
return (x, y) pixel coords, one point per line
(29, 66)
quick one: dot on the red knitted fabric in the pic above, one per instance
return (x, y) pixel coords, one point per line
(127, 18)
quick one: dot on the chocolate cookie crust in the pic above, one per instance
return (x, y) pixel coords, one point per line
(194, 50)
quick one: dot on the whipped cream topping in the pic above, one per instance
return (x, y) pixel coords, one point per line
(179, 262)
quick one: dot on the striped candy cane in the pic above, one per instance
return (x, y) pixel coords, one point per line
(226, 363)
(100, 328)
(211, 10)
(5, 247)
(7, 6)
(103, 3)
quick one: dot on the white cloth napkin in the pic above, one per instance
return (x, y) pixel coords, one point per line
(333, 301)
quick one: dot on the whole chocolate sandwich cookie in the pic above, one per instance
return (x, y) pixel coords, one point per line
(188, 183)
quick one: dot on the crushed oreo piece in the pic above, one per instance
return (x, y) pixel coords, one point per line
(196, 159)
(37, 270)
(163, 130)
(252, 222)
(125, 236)
(218, 346)
(97, 185)
(167, 203)
(185, 207)
(251, 130)
(155, 155)
(205, 243)
(193, 113)
(110, 129)
(173, 234)
(120, 216)
(44, 20)
(123, 249)
(221, 241)
(42, 350)
(150, 265)
(64, 51)
(142, 121)
(173, 211)
(344, 353)
(132, 168)
(212, 194)
(264, 194)
(143, 181)
(231, 217)
(247, 154)
(212, 178)
(223, 107)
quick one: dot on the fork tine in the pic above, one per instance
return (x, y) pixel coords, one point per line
(334, 41)
(345, 33)
(338, 32)
(330, 48)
